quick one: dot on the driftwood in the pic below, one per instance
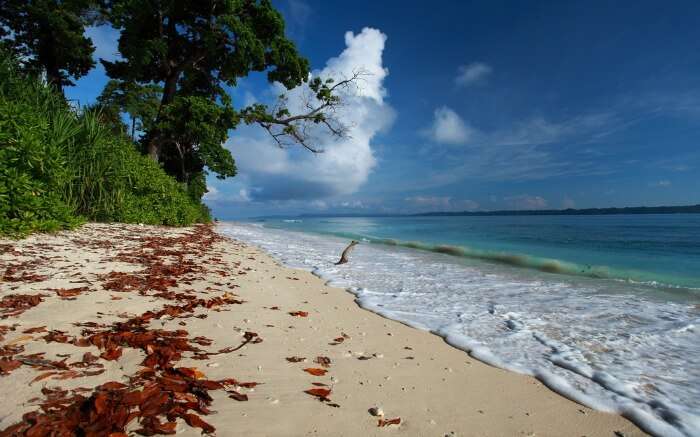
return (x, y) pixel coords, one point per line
(346, 252)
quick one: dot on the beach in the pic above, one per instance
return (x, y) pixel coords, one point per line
(188, 331)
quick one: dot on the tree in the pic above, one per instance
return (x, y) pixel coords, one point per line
(48, 35)
(140, 102)
(196, 49)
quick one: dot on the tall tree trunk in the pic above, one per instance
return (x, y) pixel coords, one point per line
(170, 88)
(169, 91)
(133, 127)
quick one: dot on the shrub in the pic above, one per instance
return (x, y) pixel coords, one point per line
(59, 167)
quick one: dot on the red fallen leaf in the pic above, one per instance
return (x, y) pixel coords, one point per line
(209, 384)
(194, 420)
(100, 403)
(112, 385)
(185, 397)
(88, 357)
(321, 393)
(299, 313)
(319, 384)
(338, 340)
(70, 292)
(42, 376)
(274, 308)
(237, 396)
(70, 374)
(34, 330)
(323, 361)
(386, 422)
(112, 354)
(7, 365)
(316, 372)
(191, 372)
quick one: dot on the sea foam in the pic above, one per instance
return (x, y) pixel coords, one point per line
(602, 343)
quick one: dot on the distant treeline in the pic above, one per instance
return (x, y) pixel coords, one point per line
(690, 209)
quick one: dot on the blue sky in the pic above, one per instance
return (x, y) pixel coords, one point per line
(479, 105)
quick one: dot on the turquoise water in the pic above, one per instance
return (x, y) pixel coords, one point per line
(602, 309)
(661, 250)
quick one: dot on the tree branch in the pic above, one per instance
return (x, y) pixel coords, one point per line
(321, 103)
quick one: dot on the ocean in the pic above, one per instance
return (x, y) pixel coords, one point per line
(602, 309)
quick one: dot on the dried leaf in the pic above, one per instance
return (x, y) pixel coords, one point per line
(299, 313)
(112, 354)
(7, 365)
(295, 359)
(315, 372)
(387, 422)
(321, 393)
(237, 396)
(42, 376)
(196, 421)
(323, 361)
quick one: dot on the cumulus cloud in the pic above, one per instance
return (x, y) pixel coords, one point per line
(345, 164)
(472, 74)
(526, 201)
(449, 128)
(660, 184)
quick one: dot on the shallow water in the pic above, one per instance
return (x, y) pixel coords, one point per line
(620, 346)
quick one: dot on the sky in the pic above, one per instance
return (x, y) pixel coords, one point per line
(475, 105)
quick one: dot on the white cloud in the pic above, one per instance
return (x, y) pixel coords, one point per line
(472, 74)
(449, 128)
(523, 150)
(345, 164)
(216, 195)
(319, 204)
(211, 194)
(431, 201)
(526, 201)
(660, 184)
(442, 202)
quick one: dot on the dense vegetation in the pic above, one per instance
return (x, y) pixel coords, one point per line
(178, 61)
(59, 166)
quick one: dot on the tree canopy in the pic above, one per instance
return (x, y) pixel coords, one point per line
(140, 102)
(49, 35)
(179, 60)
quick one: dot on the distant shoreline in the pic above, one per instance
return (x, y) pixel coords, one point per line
(632, 210)
(690, 209)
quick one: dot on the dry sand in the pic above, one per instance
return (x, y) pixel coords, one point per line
(435, 389)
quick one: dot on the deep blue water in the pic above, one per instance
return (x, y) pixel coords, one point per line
(662, 250)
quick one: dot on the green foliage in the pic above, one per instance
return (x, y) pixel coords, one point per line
(58, 167)
(196, 49)
(140, 102)
(48, 35)
(196, 120)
